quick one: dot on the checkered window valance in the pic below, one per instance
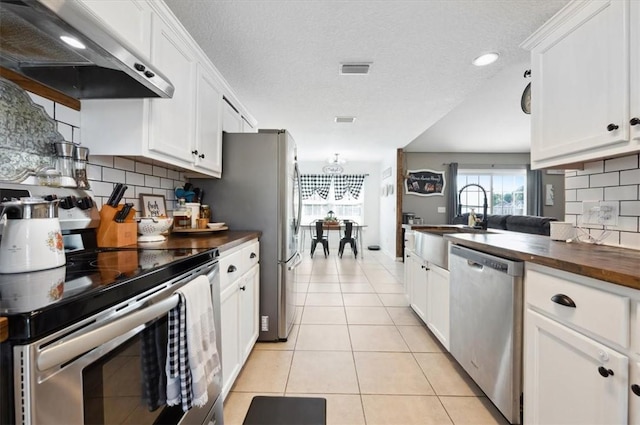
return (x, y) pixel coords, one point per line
(320, 184)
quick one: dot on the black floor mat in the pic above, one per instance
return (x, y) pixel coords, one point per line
(266, 410)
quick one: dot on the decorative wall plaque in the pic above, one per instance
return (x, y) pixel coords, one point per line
(27, 134)
(424, 183)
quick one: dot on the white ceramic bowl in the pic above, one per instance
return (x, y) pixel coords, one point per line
(215, 225)
(151, 228)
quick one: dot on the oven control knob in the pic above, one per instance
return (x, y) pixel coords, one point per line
(85, 203)
(50, 198)
(67, 202)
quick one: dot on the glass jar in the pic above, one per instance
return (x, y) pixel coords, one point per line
(205, 212)
(80, 157)
(182, 216)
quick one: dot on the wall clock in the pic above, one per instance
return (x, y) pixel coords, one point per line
(525, 101)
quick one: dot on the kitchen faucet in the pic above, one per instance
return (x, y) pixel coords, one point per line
(485, 220)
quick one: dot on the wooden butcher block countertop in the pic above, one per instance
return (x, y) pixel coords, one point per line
(609, 263)
(223, 240)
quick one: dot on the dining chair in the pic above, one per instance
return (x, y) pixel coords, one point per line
(348, 238)
(319, 238)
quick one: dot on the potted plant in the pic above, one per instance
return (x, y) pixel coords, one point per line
(331, 219)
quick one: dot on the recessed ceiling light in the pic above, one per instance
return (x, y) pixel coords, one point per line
(73, 42)
(486, 59)
(345, 120)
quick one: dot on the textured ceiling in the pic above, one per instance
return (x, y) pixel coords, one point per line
(282, 59)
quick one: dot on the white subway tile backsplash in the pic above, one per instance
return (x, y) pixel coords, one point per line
(113, 175)
(627, 224)
(151, 181)
(67, 115)
(77, 136)
(630, 240)
(94, 172)
(621, 193)
(66, 130)
(630, 208)
(573, 208)
(101, 188)
(134, 178)
(124, 163)
(577, 182)
(591, 168)
(167, 184)
(623, 163)
(47, 105)
(104, 160)
(605, 179)
(175, 175)
(570, 195)
(159, 171)
(630, 177)
(589, 194)
(144, 168)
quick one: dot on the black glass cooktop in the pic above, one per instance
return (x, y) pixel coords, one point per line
(39, 302)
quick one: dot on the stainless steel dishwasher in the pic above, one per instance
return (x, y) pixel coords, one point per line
(486, 324)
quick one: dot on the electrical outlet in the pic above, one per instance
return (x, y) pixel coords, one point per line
(442, 210)
(264, 323)
(600, 212)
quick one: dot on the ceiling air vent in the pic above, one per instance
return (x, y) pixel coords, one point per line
(354, 68)
(345, 120)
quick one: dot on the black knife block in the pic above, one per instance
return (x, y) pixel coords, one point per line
(112, 234)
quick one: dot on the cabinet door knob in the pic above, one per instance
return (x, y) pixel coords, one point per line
(253, 255)
(231, 269)
(612, 127)
(636, 389)
(242, 288)
(201, 156)
(564, 300)
(195, 152)
(605, 372)
(634, 121)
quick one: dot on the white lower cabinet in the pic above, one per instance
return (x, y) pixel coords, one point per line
(239, 299)
(580, 366)
(572, 378)
(427, 288)
(438, 303)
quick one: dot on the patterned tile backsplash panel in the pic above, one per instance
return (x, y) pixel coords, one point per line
(614, 180)
(104, 172)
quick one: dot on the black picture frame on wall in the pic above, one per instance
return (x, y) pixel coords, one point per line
(152, 205)
(425, 183)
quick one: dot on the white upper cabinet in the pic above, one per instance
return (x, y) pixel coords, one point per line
(585, 83)
(130, 20)
(172, 124)
(185, 131)
(231, 119)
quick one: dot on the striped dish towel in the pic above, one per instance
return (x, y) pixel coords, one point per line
(192, 355)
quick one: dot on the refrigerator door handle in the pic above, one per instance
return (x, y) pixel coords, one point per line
(296, 174)
(296, 263)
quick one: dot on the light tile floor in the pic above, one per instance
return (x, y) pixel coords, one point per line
(358, 344)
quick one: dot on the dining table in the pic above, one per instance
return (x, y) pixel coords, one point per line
(337, 227)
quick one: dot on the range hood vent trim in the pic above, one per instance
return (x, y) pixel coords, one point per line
(107, 69)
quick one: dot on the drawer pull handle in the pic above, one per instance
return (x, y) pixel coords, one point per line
(231, 269)
(253, 255)
(612, 127)
(605, 372)
(242, 288)
(564, 300)
(636, 389)
(634, 121)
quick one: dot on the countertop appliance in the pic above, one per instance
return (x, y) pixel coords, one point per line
(260, 190)
(105, 68)
(104, 310)
(486, 302)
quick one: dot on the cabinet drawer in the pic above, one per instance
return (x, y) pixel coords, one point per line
(251, 254)
(232, 266)
(601, 312)
(635, 329)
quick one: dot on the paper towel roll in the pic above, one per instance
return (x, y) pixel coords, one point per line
(562, 230)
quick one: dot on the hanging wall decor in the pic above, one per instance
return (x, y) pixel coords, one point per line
(424, 183)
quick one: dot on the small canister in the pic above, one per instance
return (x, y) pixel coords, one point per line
(205, 212)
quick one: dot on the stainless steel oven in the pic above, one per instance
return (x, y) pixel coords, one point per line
(109, 367)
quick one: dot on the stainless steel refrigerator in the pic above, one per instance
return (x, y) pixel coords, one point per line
(260, 190)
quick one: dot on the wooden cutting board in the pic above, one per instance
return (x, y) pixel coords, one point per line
(4, 329)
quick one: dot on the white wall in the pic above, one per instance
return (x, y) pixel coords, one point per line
(388, 206)
(371, 197)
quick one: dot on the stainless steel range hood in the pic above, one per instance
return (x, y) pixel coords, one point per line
(106, 68)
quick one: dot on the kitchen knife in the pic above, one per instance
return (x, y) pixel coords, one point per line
(116, 188)
(120, 194)
(123, 213)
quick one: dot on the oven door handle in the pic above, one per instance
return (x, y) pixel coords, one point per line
(66, 350)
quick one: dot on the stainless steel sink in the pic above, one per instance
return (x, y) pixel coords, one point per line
(431, 246)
